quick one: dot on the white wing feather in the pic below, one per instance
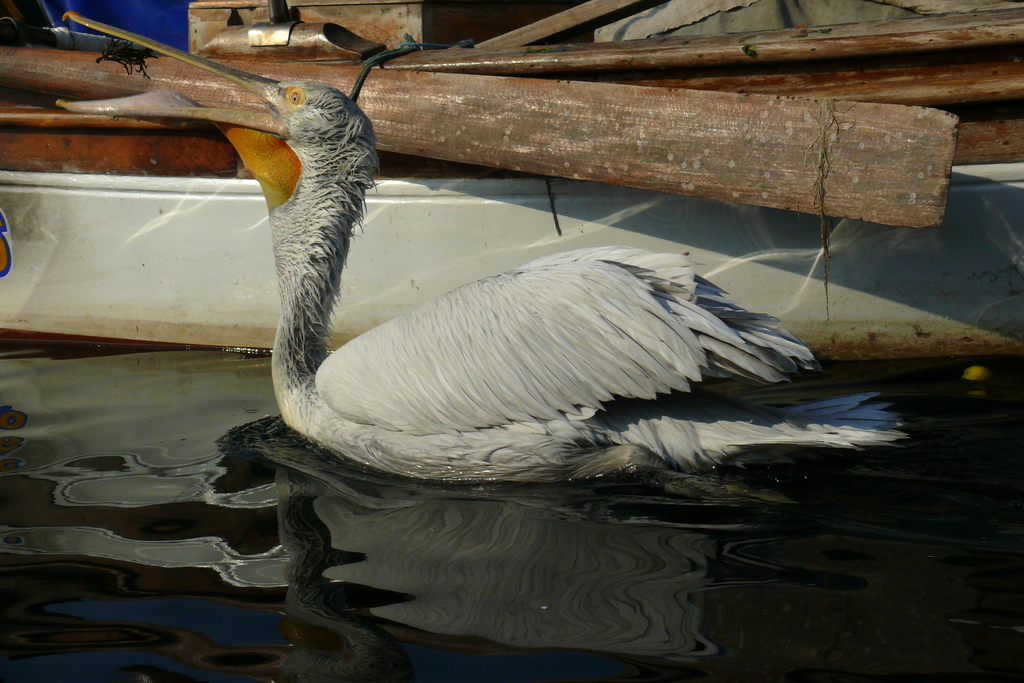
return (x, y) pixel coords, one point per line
(558, 336)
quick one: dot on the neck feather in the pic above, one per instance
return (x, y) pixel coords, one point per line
(311, 234)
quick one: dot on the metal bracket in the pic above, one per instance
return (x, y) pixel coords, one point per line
(264, 33)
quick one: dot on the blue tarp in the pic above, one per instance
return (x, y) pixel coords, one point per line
(163, 20)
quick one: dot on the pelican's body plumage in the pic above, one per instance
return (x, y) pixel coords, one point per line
(574, 364)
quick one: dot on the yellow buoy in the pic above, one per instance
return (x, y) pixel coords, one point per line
(977, 373)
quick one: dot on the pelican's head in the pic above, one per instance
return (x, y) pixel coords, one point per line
(306, 130)
(330, 135)
(313, 113)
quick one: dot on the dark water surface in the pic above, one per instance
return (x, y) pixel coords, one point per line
(133, 548)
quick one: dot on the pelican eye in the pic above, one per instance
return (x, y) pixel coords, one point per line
(295, 96)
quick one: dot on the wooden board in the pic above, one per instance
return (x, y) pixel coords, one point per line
(931, 79)
(123, 150)
(573, 21)
(937, 61)
(878, 38)
(888, 164)
(59, 141)
(990, 134)
(987, 135)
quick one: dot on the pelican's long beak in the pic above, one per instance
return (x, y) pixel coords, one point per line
(153, 105)
(258, 136)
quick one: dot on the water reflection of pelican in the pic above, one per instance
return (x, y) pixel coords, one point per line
(635, 570)
(513, 568)
(523, 575)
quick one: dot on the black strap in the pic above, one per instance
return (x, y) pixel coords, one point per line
(405, 48)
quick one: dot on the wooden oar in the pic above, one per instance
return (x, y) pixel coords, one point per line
(571, 22)
(751, 50)
(877, 162)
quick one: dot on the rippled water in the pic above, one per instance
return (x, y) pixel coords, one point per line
(134, 548)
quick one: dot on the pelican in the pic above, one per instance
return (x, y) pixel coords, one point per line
(572, 365)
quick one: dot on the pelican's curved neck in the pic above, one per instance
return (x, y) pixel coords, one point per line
(333, 144)
(311, 234)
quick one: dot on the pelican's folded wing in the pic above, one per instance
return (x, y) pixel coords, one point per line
(558, 336)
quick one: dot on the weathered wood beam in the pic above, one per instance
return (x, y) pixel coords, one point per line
(89, 144)
(127, 150)
(948, 6)
(876, 162)
(746, 148)
(22, 117)
(990, 134)
(879, 38)
(987, 135)
(933, 79)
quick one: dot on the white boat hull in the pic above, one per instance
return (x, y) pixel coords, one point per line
(189, 260)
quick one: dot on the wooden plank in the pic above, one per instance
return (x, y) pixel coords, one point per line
(934, 79)
(23, 117)
(948, 6)
(573, 21)
(889, 164)
(990, 134)
(880, 38)
(987, 135)
(939, 80)
(59, 141)
(991, 142)
(122, 150)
